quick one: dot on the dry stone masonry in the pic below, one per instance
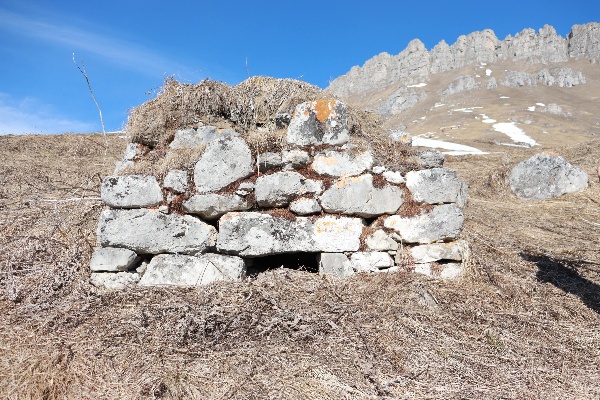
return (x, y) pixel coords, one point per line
(318, 195)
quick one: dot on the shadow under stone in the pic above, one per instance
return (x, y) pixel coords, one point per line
(563, 274)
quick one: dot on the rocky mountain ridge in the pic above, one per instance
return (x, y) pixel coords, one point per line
(415, 63)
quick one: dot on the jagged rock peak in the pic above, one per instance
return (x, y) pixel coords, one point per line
(415, 63)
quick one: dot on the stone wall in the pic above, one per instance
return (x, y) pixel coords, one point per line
(318, 195)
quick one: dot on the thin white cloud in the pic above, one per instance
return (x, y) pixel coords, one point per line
(29, 115)
(127, 54)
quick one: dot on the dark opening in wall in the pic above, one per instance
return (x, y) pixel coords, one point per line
(298, 261)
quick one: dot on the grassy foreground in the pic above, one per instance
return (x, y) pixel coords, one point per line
(523, 323)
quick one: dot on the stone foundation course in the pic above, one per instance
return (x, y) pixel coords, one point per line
(318, 195)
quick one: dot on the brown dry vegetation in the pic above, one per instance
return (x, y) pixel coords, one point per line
(523, 323)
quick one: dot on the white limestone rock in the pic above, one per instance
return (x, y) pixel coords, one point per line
(201, 136)
(436, 186)
(176, 180)
(305, 206)
(224, 161)
(371, 261)
(111, 259)
(278, 189)
(295, 159)
(443, 271)
(358, 196)
(253, 234)
(335, 265)
(443, 222)
(130, 191)
(381, 241)
(426, 253)
(211, 206)
(319, 122)
(341, 164)
(151, 232)
(183, 270)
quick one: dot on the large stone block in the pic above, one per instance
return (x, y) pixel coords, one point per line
(544, 176)
(319, 122)
(152, 232)
(224, 161)
(340, 164)
(278, 189)
(253, 234)
(211, 205)
(436, 186)
(130, 191)
(443, 222)
(358, 196)
(426, 253)
(182, 270)
(113, 259)
(370, 261)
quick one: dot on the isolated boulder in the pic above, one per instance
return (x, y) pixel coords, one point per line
(152, 232)
(130, 191)
(544, 176)
(319, 122)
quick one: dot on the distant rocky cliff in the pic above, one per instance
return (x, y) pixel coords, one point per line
(415, 63)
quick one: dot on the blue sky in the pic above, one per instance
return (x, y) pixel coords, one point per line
(129, 47)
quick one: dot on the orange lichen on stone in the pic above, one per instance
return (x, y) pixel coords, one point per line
(348, 180)
(323, 109)
(328, 226)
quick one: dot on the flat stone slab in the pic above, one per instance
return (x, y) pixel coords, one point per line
(253, 234)
(111, 259)
(319, 122)
(436, 186)
(152, 232)
(211, 206)
(545, 176)
(426, 253)
(340, 164)
(443, 222)
(131, 191)
(224, 161)
(370, 261)
(357, 196)
(278, 189)
(114, 281)
(182, 270)
(335, 265)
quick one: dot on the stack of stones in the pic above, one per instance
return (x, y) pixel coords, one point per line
(319, 196)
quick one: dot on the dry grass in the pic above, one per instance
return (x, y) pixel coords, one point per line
(522, 324)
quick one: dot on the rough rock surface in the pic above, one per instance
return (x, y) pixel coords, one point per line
(443, 222)
(152, 232)
(305, 206)
(319, 122)
(278, 189)
(182, 270)
(544, 176)
(111, 259)
(176, 180)
(436, 186)
(295, 159)
(370, 261)
(336, 265)
(130, 191)
(460, 84)
(431, 158)
(426, 253)
(224, 161)
(211, 206)
(444, 271)
(357, 196)
(338, 164)
(401, 100)
(415, 63)
(380, 241)
(253, 234)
